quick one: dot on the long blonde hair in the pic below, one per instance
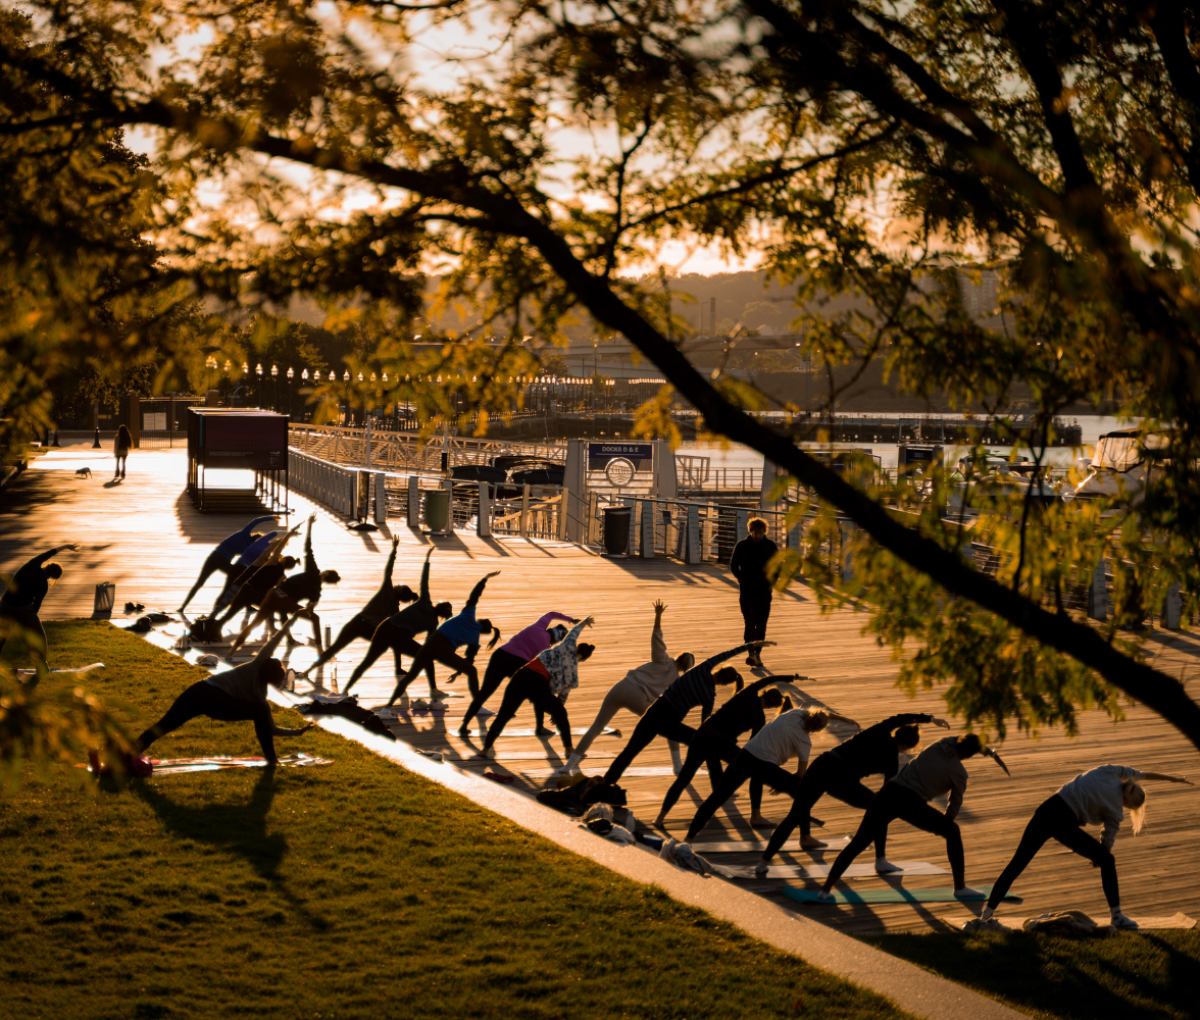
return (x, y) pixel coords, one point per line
(1137, 813)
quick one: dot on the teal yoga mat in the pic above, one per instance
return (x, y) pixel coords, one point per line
(900, 895)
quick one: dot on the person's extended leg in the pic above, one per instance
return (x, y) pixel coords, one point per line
(518, 690)
(1039, 829)
(643, 733)
(621, 695)
(380, 643)
(1087, 846)
(697, 753)
(916, 812)
(435, 646)
(881, 812)
(452, 660)
(501, 666)
(194, 701)
(212, 564)
(543, 699)
(740, 769)
(356, 627)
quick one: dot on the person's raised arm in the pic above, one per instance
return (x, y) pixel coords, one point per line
(255, 523)
(574, 632)
(391, 565)
(834, 717)
(37, 561)
(1167, 778)
(268, 649)
(310, 561)
(548, 618)
(658, 644)
(283, 731)
(477, 591)
(275, 551)
(425, 578)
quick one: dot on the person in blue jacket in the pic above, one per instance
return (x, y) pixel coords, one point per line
(222, 557)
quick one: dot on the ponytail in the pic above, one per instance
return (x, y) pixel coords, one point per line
(485, 627)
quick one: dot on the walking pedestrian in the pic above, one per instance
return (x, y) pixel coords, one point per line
(121, 447)
(749, 565)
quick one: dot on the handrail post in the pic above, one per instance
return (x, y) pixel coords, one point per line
(523, 529)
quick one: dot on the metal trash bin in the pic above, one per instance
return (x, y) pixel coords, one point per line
(437, 510)
(617, 522)
(106, 597)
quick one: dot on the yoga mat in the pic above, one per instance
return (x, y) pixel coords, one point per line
(531, 732)
(890, 896)
(739, 846)
(170, 766)
(815, 872)
(64, 669)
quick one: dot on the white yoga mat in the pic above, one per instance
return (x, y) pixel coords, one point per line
(64, 669)
(741, 846)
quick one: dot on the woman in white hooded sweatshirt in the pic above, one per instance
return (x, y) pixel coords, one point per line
(639, 689)
(1097, 797)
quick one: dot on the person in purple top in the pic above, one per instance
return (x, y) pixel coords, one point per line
(221, 558)
(525, 646)
(442, 645)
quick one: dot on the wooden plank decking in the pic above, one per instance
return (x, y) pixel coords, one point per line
(144, 535)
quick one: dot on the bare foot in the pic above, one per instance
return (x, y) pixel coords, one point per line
(885, 867)
(761, 821)
(661, 822)
(811, 843)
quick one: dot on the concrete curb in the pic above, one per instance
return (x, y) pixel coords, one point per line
(917, 991)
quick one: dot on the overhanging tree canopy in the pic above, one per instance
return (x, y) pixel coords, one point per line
(871, 148)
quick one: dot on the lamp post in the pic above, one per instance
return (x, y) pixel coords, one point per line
(275, 388)
(290, 375)
(245, 374)
(258, 372)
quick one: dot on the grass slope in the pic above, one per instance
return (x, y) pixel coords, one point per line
(1127, 976)
(358, 890)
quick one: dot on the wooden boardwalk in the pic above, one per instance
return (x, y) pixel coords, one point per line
(144, 536)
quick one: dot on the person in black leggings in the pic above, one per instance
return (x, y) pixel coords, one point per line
(840, 774)
(22, 602)
(221, 558)
(363, 624)
(935, 771)
(744, 711)
(235, 695)
(697, 688)
(1100, 795)
(399, 631)
(525, 646)
(545, 681)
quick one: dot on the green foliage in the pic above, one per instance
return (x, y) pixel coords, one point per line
(993, 200)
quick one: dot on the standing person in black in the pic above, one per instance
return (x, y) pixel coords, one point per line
(744, 711)
(749, 565)
(840, 774)
(22, 601)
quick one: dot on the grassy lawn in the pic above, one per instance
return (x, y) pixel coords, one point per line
(1127, 976)
(358, 890)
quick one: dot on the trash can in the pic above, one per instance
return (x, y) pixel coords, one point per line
(106, 597)
(437, 510)
(617, 522)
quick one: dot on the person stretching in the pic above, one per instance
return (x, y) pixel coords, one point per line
(22, 601)
(524, 647)
(935, 771)
(399, 631)
(785, 737)
(363, 624)
(637, 691)
(221, 558)
(546, 681)
(243, 567)
(235, 695)
(258, 580)
(749, 565)
(442, 645)
(287, 595)
(1096, 797)
(840, 774)
(746, 710)
(697, 688)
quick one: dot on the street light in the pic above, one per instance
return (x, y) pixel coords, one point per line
(274, 387)
(290, 376)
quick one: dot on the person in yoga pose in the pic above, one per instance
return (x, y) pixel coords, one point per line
(399, 631)
(287, 595)
(363, 624)
(935, 771)
(244, 566)
(1096, 797)
(524, 647)
(840, 774)
(545, 680)
(22, 602)
(235, 695)
(637, 691)
(783, 738)
(696, 688)
(258, 580)
(221, 558)
(442, 645)
(746, 710)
